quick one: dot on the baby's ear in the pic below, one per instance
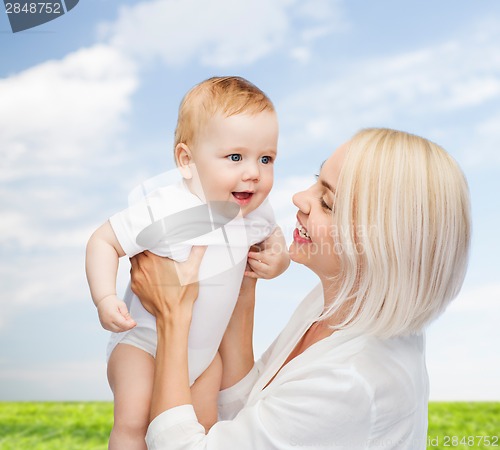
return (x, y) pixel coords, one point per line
(183, 159)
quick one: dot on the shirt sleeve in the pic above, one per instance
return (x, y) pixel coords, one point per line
(234, 398)
(127, 224)
(260, 223)
(149, 211)
(324, 409)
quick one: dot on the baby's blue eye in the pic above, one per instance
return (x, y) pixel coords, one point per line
(265, 159)
(235, 157)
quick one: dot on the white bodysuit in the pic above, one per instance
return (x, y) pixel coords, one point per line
(168, 222)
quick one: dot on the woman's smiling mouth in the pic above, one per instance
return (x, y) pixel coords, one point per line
(300, 234)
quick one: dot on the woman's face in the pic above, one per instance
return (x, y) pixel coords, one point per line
(313, 238)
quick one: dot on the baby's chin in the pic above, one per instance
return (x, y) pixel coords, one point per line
(227, 208)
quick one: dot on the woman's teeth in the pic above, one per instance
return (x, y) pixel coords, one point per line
(302, 231)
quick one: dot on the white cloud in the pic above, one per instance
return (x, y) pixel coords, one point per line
(301, 54)
(36, 280)
(434, 89)
(59, 125)
(169, 30)
(326, 15)
(485, 299)
(53, 115)
(462, 351)
(222, 33)
(42, 280)
(39, 216)
(484, 146)
(319, 9)
(460, 375)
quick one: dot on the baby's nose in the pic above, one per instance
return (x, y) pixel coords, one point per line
(251, 172)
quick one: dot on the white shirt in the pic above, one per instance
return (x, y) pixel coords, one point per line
(168, 221)
(345, 392)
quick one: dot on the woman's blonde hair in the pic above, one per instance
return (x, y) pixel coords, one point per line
(225, 95)
(403, 229)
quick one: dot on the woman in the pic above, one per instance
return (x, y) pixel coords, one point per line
(386, 228)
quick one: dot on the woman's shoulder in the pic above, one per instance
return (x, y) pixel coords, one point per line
(393, 369)
(386, 368)
(371, 355)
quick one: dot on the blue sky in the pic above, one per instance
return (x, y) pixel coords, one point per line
(88, 106)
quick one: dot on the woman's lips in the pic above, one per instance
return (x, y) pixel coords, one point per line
(300, 235)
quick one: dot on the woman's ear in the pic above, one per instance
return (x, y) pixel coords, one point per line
(183, 159)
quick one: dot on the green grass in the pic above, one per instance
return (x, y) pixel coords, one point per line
(457, 426)
(86, 426)
(55, 426)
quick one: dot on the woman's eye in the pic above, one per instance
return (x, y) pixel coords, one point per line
(235, 157)
(324, 205)
(266, 159)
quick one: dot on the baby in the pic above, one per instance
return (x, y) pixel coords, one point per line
(225, 148)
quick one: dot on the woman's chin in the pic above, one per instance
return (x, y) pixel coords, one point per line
(297, 253)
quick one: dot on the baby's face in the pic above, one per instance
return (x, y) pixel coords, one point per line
(234, 158)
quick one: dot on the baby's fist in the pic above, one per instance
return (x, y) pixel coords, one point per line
(114, 315)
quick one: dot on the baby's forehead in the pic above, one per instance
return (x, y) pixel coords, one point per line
(221, 118)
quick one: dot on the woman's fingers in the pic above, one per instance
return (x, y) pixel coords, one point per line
(260, 257)
(196, 255)
(162, 284)
(251, 275)
(147, 268)
(136, 263)
(258, 263)
(187, 271)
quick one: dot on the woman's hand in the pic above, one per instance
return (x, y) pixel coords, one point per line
(166, 287)
(168, 290)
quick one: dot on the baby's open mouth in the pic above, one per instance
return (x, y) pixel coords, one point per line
(242, 195)
(242, 198)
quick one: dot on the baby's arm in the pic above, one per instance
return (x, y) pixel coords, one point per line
(101, 265)
(269, 258)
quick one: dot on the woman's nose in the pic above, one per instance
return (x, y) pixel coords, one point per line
(301, 201)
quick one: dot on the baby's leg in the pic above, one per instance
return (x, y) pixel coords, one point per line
(130, 375)
(204, 392)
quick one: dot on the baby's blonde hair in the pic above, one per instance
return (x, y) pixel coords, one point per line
(402, 216)
(225, 95)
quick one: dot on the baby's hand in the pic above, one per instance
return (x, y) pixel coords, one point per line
(269, 258)
(114, 315)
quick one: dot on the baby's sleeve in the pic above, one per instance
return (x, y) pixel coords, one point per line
(153, 209)
(260, 223)
(128, 223)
